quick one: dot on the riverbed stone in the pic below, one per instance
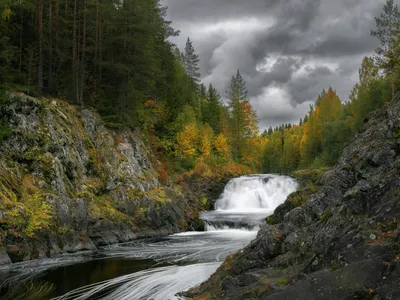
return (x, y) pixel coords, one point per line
(4, 258)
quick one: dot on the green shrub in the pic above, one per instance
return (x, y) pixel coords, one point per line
(5, 131)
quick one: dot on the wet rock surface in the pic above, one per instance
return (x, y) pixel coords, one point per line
(67, 183)
(342, 243)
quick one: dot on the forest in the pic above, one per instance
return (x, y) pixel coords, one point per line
(117, 57)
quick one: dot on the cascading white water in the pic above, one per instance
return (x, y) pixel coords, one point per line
(247, 200)
(255, 193)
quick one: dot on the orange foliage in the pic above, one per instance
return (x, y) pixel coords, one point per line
(250, 119)
(203, 169)
(163, 173)
(151, 103)
(118, 139)
(179, 179)
(236, 169)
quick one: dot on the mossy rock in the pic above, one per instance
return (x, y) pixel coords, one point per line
(309, 175)
(309, 183)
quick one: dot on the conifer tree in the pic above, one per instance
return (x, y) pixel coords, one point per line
(237, 89)
(212, 113)
(191, 61)
(388, 33)
(243, 120)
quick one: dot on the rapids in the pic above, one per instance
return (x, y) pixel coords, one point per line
(156, 268)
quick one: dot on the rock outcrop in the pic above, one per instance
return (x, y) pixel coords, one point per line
(67, 183)
(342, 243)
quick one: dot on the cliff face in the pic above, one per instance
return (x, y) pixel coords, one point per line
(67, 183)
(342, 243)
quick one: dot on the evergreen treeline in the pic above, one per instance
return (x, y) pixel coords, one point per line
(115, 56)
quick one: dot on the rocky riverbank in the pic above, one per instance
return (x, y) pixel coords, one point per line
(343, 242)
(67, 183)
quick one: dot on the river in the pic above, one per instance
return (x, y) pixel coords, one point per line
(155, 268)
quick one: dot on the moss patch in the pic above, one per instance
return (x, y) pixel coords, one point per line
(103, 207)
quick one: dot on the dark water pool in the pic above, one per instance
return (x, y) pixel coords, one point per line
(59, 280)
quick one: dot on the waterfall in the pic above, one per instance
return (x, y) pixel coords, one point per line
(247, 200)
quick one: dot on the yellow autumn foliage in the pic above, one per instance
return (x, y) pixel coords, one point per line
(205, 145)
(187, 140)
(221, 146)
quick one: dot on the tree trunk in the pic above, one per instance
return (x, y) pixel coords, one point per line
(57, 20)
(83, 56)
(100, 47)
(96, 44)
(66, 14)
(50, 81)
(40, 31)
(96, 48)
(29, 70)
(74, 66)
(20, 37)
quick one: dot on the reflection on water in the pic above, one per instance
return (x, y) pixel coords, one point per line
(58, 280)
(72, 277)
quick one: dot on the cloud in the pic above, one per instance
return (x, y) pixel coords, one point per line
(273, 106)
(286, 50)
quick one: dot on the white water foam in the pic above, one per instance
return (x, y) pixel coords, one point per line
(256, 193)
(247, 200)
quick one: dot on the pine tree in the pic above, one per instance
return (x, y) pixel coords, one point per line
(236, 124)
(388, 33)
(265, 133)
(243, 119)
(237, 89)
(212, 115)
(191, 61)
(241, 86)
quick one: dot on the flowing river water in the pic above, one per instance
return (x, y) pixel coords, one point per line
(156, 268)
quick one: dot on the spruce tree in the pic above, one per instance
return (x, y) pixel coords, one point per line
(388, 32)
(237, 88)
(241, 85)
(240, 116)
(191, 61)
(213, 113)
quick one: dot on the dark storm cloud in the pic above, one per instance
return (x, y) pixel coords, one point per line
(286, 50)
(214, 10)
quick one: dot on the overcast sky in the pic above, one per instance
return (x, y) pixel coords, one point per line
(286, 50)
